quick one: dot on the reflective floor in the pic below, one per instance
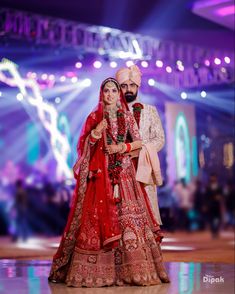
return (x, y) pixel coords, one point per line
(30, 277)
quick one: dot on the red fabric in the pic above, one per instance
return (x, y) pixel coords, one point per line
(99, 211)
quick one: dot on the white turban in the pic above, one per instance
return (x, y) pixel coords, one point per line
(129, 73)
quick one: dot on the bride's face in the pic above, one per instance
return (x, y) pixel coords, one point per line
(110, 94)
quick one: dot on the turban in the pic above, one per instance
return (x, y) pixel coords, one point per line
(129, 73)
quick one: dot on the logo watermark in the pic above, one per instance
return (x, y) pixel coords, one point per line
(211, 279)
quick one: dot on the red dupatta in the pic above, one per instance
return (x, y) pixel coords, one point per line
(93, 219)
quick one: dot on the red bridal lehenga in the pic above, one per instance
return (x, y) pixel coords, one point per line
(109, 240)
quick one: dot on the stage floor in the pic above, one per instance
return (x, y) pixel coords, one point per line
(195, 263)
(30, 277)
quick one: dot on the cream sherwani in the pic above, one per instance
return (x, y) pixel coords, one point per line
(151, 131)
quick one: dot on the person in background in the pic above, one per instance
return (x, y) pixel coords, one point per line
(214, 205)
(21, 208)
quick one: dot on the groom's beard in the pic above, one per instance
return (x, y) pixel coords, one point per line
(130, 96)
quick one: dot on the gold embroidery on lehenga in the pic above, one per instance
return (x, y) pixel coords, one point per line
(137, 260)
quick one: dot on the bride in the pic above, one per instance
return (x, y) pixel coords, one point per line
(111, 236)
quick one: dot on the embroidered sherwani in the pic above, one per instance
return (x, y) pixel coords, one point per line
(151, 130)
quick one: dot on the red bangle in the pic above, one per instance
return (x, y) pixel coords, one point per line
(92, 140)
(128, 147)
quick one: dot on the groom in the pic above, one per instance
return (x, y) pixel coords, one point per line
(148, 121)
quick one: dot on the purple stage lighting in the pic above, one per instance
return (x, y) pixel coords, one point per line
(159, 63)
(144, 64)
(217, 61)
(97, 64)
(78, 64)
(113, 64)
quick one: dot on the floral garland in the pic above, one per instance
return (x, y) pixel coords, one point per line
(137, 107)
(115, 160)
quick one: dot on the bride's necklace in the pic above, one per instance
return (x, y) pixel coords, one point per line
(112, 112)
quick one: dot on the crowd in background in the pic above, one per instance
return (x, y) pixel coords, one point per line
(27, 210)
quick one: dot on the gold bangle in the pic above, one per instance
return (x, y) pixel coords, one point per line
(123, 148)
(95, 134)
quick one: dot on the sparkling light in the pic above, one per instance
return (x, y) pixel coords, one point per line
(33, 75)
(51, 77)
(159, 63)
(144, 64)
(44, 76)
(184, 95)
(223, 69)
(181, 67)
(168, 69)
(62, 78)
(19, 96)
(113, 64)
(227, 59)
(57, 100)
(74, 80)
(179, 62)
(217, 61)
(47, 113)
(78, 64)
(151, 82)
(97, 64)
(0, 94)
(87, 82)
(129, 63)
(207, 62)
(203, 94)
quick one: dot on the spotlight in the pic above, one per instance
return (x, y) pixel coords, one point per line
(144, 64)
(113, 64)
(217, 61)
(227, 59)
(44, 76)
(179, 62)
(97, 64)
(151, 82)
(183, 95)
(57, 100)
(74, 80)
(207, 62)
(129, 63)
(87, 82)
(203, 94)
(180, 67)
(168, 69)
(0, 94)
(62, 78)
(78, 64)
(33, 75)
(51, 77)
(19, 96)
(223, 69)
(159, 63)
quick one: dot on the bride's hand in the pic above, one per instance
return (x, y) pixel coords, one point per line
(111, 149)
(101, 126)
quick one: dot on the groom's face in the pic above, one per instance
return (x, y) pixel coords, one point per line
(129, 90)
